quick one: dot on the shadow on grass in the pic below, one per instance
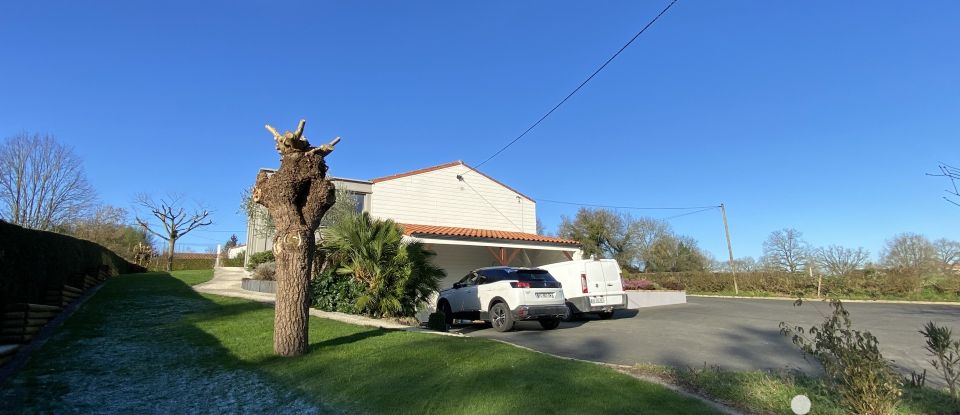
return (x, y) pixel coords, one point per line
(149, 343)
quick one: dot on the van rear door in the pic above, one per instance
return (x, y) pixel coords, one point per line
(613, 282)
(596, 283)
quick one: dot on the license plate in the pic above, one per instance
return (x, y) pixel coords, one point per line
(545, 295)
(597, 300)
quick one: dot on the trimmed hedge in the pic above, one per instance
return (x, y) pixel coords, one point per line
(870, 283)
(32, 261)
(159, 263)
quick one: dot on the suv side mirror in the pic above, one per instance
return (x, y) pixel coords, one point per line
(457, 285)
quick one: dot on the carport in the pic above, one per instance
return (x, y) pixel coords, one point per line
(461, 250)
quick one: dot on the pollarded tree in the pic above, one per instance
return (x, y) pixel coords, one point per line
(296, 196)
(42, 183)
(174, 220)
(785, 250)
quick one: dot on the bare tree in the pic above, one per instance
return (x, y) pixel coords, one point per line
(42, 183)
(785, 250)
(297, 196)
(176, 222)
(909, 252)
(953, 175)
(947, 253)
(743, 264)
(110, 226)
(837, 260)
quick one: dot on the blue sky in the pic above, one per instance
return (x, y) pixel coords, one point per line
(822, 116)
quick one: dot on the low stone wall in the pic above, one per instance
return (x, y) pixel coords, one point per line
(653, 298)
(262, 286)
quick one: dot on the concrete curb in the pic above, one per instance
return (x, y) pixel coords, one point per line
(955, 304)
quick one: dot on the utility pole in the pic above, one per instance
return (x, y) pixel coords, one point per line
(726, 228)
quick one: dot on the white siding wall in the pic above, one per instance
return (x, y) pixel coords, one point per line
(438, 198)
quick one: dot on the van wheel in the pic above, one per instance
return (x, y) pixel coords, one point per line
(501, 317)
(571, 315)
(447, 313)
(550, 323)
(605, 315)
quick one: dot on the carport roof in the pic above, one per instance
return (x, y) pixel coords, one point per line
(431, 230)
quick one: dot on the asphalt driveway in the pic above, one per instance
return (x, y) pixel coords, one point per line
(735, 334)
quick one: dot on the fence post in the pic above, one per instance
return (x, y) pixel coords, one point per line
(216, 262)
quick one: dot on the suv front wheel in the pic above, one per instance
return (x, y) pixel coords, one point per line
(501, 317)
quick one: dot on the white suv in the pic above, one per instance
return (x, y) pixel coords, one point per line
(504, 295)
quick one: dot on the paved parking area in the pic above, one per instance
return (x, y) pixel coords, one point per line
(736, 334)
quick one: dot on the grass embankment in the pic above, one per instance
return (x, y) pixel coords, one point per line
(765, 392)
(148, 343)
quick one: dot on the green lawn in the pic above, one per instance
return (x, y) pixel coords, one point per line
(148, 343)
(766, 392)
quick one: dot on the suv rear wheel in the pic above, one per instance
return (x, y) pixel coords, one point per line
(550, 323)
(501, 317)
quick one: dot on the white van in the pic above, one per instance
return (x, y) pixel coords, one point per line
(590, 286)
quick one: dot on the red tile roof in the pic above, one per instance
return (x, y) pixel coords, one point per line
(418, 230)
(443, 166)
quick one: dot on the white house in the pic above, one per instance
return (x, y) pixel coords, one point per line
(469, 219)
(235, 251)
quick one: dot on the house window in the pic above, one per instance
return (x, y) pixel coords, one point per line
(359, 198)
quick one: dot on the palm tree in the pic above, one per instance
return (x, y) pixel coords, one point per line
(397, 276)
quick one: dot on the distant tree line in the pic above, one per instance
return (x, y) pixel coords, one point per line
(643, 244)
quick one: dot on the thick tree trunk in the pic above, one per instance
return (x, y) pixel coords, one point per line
(293, 299)
(297, 196)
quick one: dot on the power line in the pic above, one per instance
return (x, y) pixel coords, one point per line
(571, 94)
(624, 207)
(690, 213)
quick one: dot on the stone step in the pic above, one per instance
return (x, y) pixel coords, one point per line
(31, 307)
(8, 349)
(20, 322)
(29, 314)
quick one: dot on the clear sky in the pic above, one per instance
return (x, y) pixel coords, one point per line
(821, 115)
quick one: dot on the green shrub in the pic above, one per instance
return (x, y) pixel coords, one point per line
(397, 276)
(945, 353)
(259, 258)
(333, 292)
(266, 271)
(866, 382)
(437, 321)
(233, 262)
